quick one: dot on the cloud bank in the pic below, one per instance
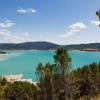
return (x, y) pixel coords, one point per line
(6, 24)
(8, 36)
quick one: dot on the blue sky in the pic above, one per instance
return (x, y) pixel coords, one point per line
(57, 21)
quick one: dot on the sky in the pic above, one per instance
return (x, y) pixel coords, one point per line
(57, 21)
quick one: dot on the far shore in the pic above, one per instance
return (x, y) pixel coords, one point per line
(3, 52)
(87, 49)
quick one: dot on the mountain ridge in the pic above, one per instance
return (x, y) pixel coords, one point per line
(43, 45)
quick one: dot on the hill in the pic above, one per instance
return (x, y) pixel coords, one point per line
(90, 46)
(42, 45)
(29, 45)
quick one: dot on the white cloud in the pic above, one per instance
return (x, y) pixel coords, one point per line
(26, 10)
(6, 24)
(7, 36)
(96, 23)
(68, 34)
(10, 37)
(73, 29)
(77, 26)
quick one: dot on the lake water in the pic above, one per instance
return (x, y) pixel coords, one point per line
(25, 62)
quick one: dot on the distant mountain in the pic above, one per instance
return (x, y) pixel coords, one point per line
(29, 45)
(47, 46)
(84, 46)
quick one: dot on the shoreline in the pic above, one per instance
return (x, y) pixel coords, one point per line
(4, 52)
(17, 77)
(7, 51)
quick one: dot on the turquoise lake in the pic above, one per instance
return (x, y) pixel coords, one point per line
(25, 62)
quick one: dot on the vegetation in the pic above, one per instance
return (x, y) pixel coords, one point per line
(20, 91)
(57, 82)
(17, 90)
(98, 14)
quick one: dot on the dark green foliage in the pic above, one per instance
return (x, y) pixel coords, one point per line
(20, 91)
(3, 81)
(39, 70)
(62, 60)
(57, 82)
(88, 79)
(98, 15)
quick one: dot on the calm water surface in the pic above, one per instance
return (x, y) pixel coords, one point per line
(25, 62)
